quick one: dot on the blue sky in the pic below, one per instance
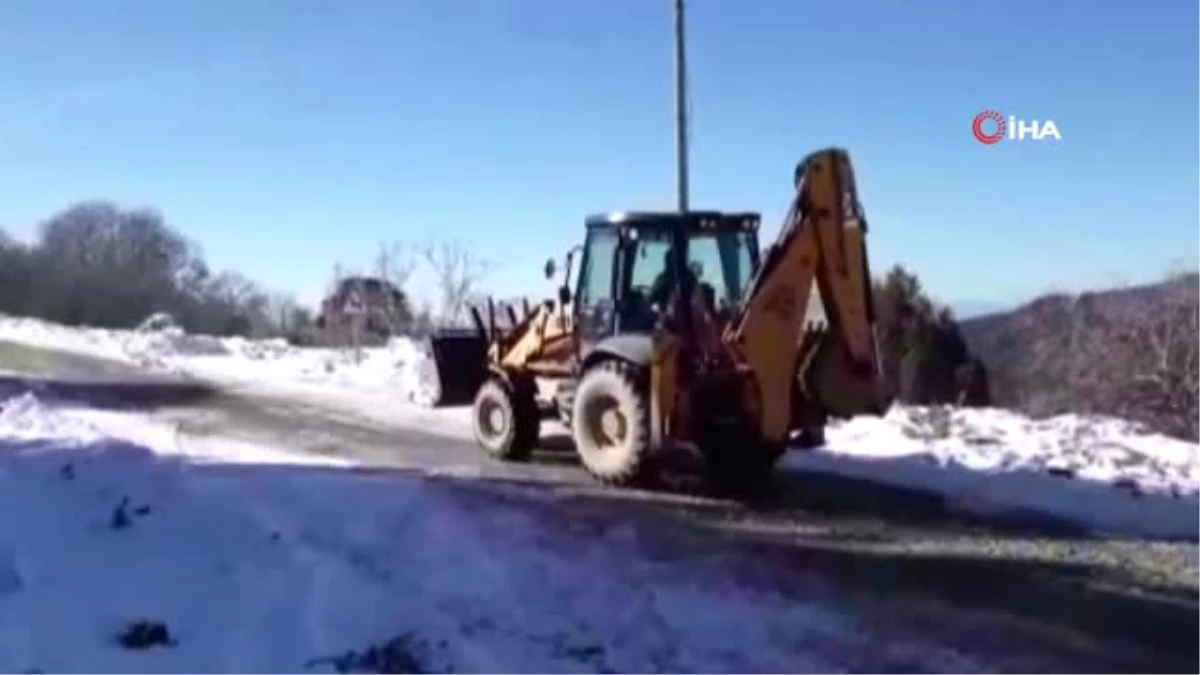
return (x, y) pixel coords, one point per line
(287, 136)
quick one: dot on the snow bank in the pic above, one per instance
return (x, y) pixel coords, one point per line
(248, 567)
(1101, 473)
(23, 418)
(402, 369)
(992, 440)
(148, 346)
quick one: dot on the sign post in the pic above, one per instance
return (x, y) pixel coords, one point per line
(356, 311)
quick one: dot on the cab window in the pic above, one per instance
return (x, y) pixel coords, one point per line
(723, 262)
(649, 262)
(596, 277)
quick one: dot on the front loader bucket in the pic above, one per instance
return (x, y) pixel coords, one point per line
(460, 357)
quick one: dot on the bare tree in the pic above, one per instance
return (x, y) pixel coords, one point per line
(457, 273)
(1131, 352)
(396, 262)
(282, 311)
(1155, 350)
(109, 266)
(1063, 366)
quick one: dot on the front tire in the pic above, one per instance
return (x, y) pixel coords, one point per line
(610, 423)
(506, 418)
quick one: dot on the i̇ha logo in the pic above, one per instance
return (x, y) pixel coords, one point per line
(990, 127)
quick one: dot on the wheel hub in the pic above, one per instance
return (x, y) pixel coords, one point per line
(492, 418)
(496, 419)
(606, 423)
(612, 424)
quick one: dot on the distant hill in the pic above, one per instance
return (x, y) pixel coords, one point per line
(1130, 352)
(971, 309)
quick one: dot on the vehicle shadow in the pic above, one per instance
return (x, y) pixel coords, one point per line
(555, 449)
(844, 491)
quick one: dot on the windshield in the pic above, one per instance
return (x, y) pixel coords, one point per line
(723, 260)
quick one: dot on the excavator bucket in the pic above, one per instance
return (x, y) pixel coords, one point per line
(460, 356)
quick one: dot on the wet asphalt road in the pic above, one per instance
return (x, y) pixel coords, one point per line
(1031, 595)
(309, 428)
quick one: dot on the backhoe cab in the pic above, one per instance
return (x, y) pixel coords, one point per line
(676, 333)
(638, 269)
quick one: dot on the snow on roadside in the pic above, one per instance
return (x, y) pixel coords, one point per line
(152, 349)
(272, 568)
(23, 418)
(97, 342)
(400, 370)
(1100, 473)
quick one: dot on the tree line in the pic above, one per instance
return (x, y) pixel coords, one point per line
(1130, 352)
(98, 264)
(925, 358)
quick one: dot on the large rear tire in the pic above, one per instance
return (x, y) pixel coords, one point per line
(610, 423)
(506, 418)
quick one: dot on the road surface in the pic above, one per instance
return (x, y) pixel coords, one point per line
(1021, 596)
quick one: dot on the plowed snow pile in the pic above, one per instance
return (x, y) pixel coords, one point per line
(1102, 474)
(401, 369)
(1092, 448)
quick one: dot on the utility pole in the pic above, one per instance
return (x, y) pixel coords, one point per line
(681, 127)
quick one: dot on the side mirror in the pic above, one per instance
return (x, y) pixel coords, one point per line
(564, 295)
(550, 268)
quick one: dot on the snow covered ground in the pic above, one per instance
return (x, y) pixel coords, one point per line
(121, 551)
(1101, 473)
(400, 370)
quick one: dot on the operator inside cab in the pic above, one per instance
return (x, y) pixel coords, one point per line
(703, 303)
(664, 284)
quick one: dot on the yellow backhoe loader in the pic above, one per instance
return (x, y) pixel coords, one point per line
(677, 334)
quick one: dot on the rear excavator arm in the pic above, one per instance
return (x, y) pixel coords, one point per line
(823, 242)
